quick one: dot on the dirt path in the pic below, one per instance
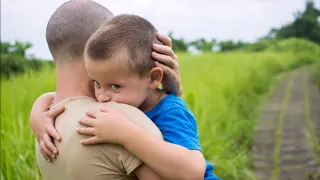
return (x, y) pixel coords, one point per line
(287, 139)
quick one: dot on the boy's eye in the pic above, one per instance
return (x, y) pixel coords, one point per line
(96, 83)
(115, 86)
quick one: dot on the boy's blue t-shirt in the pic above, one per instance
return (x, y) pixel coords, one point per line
(178, 126)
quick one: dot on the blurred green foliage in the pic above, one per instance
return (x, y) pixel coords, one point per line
(306, 25)
(14, 60)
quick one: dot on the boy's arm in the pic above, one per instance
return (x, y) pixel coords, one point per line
(166, 59)
(169, 160)
(41, 122)
(143, 172)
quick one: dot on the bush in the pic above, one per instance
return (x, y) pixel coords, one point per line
(306, 51)
(13, 64)
(13, 59)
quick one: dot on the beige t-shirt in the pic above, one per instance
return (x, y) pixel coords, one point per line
(95, 162)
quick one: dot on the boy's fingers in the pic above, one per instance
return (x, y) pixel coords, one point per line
(105, 109)
(87, 122)
(86, 131)
(89, 141)
(55, 112)
(50, 146)
(166, 40)
(92, 114)
(45, 156)
(46, 152)
(53, 133)
(166, 60)
(163, 50)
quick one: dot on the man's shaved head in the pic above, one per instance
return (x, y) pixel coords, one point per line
(71, 25)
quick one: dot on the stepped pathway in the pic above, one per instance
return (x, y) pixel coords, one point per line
(286, 145)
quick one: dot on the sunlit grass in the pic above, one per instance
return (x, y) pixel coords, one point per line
(223, 91)
(17, 140)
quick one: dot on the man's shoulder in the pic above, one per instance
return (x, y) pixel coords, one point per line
(136, 116)
(84, 101)
(120, 106)
(76, 101)
(75, 109)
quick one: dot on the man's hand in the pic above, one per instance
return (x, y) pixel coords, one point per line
(42, 125)
(166, 59)
(105, 126)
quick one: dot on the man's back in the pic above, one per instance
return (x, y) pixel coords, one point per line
(102, 161)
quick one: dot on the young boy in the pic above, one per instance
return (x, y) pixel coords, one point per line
(118, 60)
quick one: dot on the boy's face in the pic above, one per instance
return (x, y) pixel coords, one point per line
(114, 81)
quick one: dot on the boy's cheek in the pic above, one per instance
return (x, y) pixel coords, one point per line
(123, 98)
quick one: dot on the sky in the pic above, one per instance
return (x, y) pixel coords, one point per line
(244, 20)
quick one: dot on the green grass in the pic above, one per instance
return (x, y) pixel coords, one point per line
(222, 90)
(309, 123)
(318, 73)
(17, 140)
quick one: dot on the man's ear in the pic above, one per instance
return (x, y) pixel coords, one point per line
(155, 77)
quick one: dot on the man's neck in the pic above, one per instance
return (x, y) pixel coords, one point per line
(72, 82)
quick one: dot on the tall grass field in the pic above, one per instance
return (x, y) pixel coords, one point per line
(317, 70)
(222, 89)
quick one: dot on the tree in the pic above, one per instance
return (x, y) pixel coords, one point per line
(5, 47)
(227, 46)
(203, 45)
(306, 25)
(18, 48)
(21, 48)
(14, 61)
(178, 45)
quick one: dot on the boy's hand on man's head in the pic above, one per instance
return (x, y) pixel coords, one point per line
(166, 59)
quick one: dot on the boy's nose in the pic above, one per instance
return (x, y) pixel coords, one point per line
(104, 98)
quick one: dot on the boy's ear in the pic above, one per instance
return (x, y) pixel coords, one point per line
(155, 77)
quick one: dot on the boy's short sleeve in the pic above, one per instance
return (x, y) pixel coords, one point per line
(178, 126)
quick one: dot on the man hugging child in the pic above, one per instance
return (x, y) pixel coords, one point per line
(118, 60)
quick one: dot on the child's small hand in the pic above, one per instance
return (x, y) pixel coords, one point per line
(106, 126)
(168, 61)
(42, 125)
